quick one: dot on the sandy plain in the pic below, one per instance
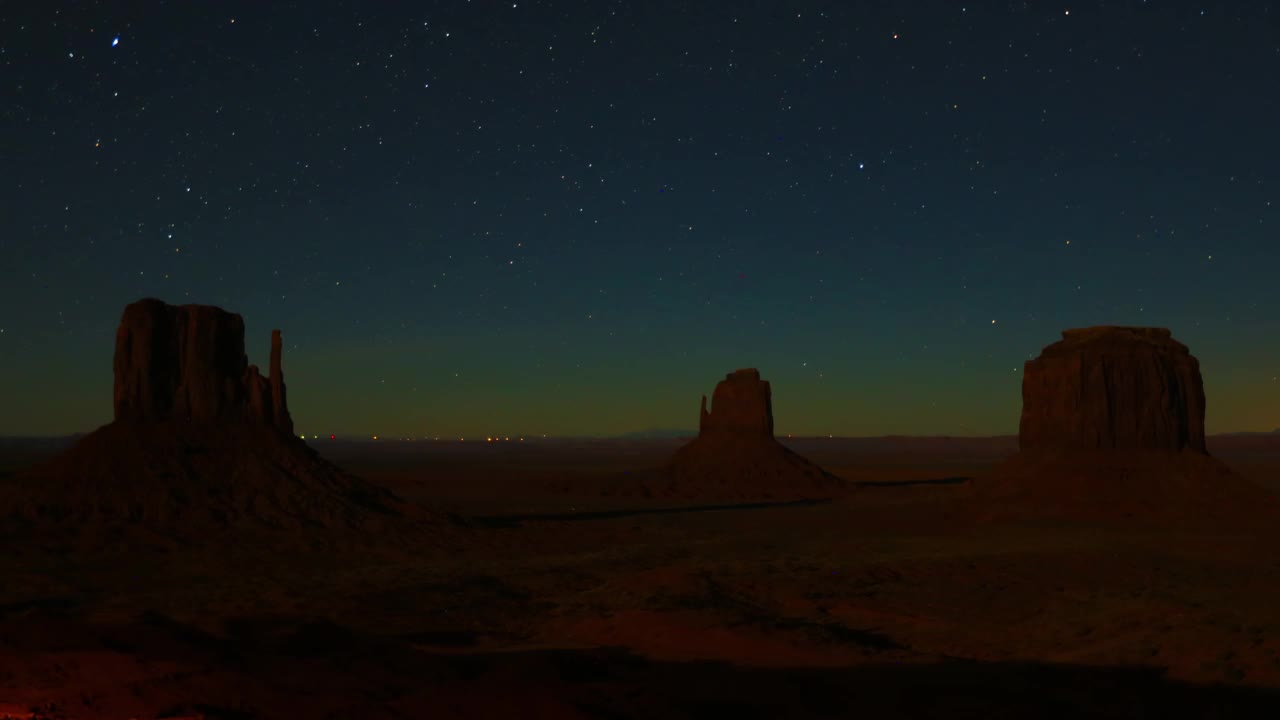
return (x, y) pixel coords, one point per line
(558, 597)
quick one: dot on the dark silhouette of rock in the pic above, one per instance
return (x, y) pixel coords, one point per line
(1113, 388)
(1112, 431)
(736, 457)
(178, 362)
(188, 363)
(200, 441)
(191, 478)
(742, 407)
(279, 403)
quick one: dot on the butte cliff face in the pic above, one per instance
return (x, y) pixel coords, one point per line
(743, 405)
(1112, 429)
(187, 364)
(201, 441)
(736, 457)
(1121, 388)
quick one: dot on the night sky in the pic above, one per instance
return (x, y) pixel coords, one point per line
(572, 218)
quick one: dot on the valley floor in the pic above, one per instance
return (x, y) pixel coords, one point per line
(565, 602)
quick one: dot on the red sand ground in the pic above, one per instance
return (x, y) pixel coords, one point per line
(893, 602)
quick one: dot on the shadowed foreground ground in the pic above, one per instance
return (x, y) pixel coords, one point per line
(570, 603)
(321, 670)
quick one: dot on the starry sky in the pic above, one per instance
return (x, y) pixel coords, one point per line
(572, 218)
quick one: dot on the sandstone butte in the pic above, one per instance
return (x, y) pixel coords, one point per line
(1112, 429)
(736, 457)
(188, 363)
(1113, 388)
(200, 441)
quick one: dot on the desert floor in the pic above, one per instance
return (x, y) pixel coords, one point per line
(559, 600)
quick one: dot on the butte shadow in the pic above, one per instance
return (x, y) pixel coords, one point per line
(200, 443)
(1112, 431)
(736, 458)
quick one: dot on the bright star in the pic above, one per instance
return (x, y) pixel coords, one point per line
(115, 42)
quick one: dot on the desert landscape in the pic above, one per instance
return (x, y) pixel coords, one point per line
(194, 558)
(639, 360)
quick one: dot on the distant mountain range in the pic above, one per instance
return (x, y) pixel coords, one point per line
(657, 434)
